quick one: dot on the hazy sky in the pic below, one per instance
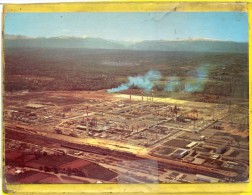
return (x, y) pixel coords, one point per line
(131, 26)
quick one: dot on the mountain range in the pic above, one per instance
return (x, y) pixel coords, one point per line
(189, 45)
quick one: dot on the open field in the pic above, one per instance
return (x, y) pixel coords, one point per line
(46, 167)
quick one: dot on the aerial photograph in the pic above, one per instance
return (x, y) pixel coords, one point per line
(125, 97)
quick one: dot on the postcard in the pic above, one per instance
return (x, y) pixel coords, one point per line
(136, 97)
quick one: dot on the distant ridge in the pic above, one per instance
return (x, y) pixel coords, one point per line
(188, 45)
(192, 46)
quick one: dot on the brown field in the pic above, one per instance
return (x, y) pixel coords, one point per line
(100, 94)
(30, 77)
(177, 143)
(10, 156)
(53, 161)
(51, 179)
(60, 98)
(33, 164)
(26, 177)
(29, 138)
(73, 180)
(75, 164)
(98, 172)
(28, 158)
(35, 178)
(46, 165)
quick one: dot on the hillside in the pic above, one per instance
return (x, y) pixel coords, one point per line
(206, 45)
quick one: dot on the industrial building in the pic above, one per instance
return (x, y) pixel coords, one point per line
(221, 149)
(180, 153)
(207, 179)
(192, 144)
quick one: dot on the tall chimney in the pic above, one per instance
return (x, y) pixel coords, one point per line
(87, 126)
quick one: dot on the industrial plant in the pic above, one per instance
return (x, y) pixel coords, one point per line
(137, 138)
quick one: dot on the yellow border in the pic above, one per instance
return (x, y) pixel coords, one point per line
(139, 6)
(126, 7)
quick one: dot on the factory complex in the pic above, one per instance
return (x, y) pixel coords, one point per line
(131, 138)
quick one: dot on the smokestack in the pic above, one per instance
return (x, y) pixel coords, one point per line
(142, 100)
(87, 125)
(130, 104)
(194, 130)
(87, 111)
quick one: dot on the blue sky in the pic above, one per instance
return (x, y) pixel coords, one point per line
(232, 26)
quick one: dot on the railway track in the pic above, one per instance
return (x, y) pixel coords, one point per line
(175, 164)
